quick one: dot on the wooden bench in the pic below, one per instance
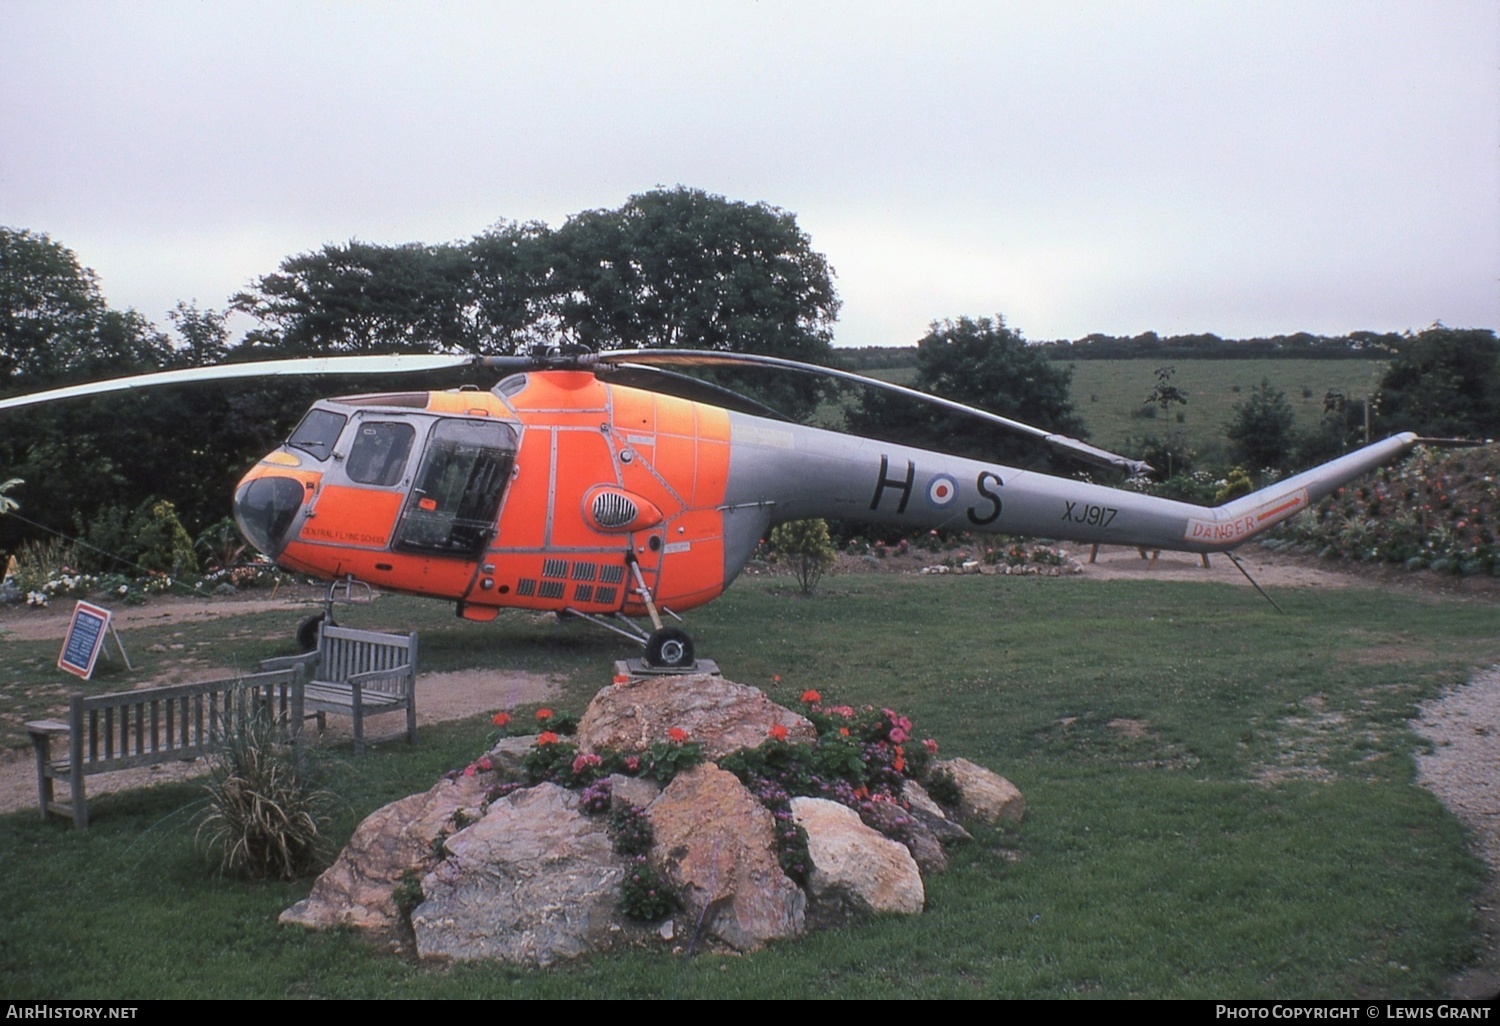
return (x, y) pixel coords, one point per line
(149, 726)
(359, 673)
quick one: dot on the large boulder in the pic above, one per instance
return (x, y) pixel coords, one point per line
(533, 882)
(396, 839)
(719, 714)
(984, 794)
(716, 845)
(855, 868)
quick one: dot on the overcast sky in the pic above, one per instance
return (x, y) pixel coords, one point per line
(1246, 168)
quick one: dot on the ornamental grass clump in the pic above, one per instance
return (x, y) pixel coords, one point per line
(264, 819)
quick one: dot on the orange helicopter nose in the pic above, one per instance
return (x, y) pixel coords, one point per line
(265, 507)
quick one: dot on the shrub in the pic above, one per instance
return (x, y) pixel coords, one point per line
(809, 548)
(264, 819)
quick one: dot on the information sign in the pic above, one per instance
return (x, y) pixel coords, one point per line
(84, 639)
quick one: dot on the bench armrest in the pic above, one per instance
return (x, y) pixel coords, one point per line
(402, 673)
(46, 728)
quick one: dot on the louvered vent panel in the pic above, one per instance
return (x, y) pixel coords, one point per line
(613, 510)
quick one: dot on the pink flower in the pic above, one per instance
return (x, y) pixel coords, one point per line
(898, 736)
(469, 770)
(485, 764)
(585, 762)
(930, 745)
(633, 763)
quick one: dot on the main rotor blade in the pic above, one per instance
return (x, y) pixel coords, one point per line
(395, 364)
(709, 358)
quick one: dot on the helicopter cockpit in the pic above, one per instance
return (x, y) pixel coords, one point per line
(446, 473)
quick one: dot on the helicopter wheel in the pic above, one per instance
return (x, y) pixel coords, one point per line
(307, 632)
(669, 647)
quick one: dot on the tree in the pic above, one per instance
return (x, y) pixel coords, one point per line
(205, 337)
(680, 268)
(1164, 394)
(515, 286)
(979, 363)
(1261, 434)
(365, 298)
(1443, 382)
(54, 323)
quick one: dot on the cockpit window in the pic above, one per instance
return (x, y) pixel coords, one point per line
(378, 455)
(318, 433)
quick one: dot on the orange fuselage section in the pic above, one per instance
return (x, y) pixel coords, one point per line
(536, 495)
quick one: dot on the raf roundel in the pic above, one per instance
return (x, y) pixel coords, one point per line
(942, 491)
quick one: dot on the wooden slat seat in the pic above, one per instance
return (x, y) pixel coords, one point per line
(359, 673)
(150, 726)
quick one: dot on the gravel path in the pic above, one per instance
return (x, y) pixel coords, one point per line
(1463, 770)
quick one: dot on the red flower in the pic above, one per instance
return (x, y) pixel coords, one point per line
(546, 737)
(900, 759)
(776, 677)
(811, 697)
(843, 732)
(543, 715)
(777, 733)
(500, 719)
(677, 734)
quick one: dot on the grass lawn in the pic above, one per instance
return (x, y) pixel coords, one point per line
(1221, 804)
(1108, 395)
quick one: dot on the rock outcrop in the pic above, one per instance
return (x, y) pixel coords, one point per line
(719, 714)
(358, 889)
(854, 868)
(532, 882)
(985, 795)
(534, 875)
(717, 846)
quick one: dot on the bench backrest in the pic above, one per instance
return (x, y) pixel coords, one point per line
(129, 728)
(344, 652)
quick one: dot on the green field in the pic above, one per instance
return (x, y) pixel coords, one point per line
(1255, 832)
(1108, 393)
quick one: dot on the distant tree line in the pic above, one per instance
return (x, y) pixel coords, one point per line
(1357, 345)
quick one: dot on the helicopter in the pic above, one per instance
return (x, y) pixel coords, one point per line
(607, 487)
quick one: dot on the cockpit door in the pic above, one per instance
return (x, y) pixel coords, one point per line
(455, 499)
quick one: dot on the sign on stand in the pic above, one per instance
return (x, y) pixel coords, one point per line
(85, 640)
